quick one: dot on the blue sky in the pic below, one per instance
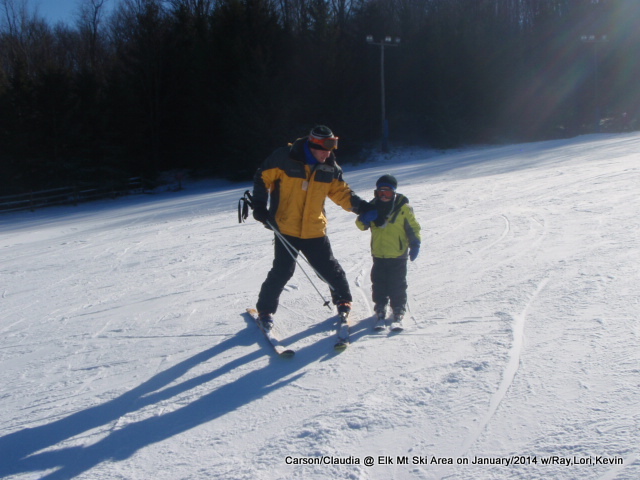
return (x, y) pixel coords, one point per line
(55, 11)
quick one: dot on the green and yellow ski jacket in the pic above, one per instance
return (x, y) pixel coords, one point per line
(392, 235)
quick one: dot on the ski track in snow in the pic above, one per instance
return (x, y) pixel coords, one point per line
(509, 371)
(126, 354)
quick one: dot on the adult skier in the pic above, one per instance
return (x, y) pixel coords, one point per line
(296, 180)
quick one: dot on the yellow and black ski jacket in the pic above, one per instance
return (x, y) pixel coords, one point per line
(297, 191)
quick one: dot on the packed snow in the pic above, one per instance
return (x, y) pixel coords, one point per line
(126, 352)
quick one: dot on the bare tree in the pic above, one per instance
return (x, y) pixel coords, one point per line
(198, 8)
(89, 24)
(26, 38)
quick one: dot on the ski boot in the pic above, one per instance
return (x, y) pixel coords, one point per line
(342, 327)
(396, 323)
(344, 309)
(266, 320)
(381, 315)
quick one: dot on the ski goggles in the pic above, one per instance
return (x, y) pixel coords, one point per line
(330, 143)
(384, 192)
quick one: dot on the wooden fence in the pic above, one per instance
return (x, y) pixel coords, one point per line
(68, 196)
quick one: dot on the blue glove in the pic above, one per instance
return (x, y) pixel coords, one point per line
(368, 217)
(414, 250)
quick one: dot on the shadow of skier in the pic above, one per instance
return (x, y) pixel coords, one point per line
(18, 450)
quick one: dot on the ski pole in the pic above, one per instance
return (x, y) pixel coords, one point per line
(291, 249)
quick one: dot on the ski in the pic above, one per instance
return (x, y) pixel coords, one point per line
(271, 337)
(342, 332)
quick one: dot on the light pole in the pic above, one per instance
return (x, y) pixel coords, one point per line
(385, 42)
(595, 40)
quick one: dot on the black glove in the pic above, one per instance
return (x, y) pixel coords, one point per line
(364, 207)
(260, 212)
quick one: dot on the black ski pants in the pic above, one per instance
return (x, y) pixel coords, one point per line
(318, 252)
(389, 283)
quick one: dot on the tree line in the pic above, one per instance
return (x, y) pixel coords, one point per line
(213, 86)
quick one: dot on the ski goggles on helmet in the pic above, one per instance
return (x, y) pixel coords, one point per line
(329, 143)
(384, 192)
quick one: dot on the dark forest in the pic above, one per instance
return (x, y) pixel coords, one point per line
(213, 86)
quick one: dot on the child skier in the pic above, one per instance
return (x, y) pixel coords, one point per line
(395, 235)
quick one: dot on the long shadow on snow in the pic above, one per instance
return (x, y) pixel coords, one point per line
(18, 449)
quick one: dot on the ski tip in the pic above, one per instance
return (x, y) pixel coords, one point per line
(340, 347)
(288, 354)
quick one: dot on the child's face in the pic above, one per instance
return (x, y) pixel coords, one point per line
(384, 194)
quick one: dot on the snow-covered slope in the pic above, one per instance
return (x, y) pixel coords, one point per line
(125, 353)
